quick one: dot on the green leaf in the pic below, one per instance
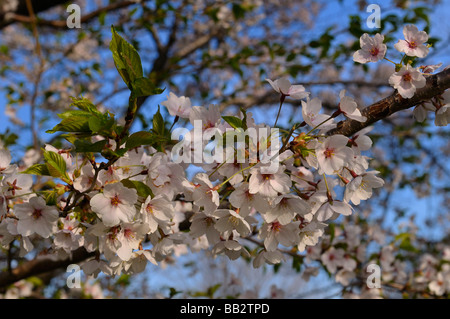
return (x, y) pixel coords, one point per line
(51, 198)
(37, 169)
(158, 123)
(142, 189)
(56, 164)
(85, 105)
(234, 122)
(332, 232)
(244, 118)
(83, 146)
(238, 11)
(173, 292)
(102, 124)
(405, 242)
(69, 114)
(72, 124)
(126, 59)
(145, 87)
(95, 124)
(140, 138)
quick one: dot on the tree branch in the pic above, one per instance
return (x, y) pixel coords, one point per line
(42, 265)
(14, 17)
(436, 85)
(7, 17)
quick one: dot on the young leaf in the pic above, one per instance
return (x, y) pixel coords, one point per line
(37, 169)
(126, 59)
(234, 122)
(158, 123)
(140, 138)
(142, 189)
(51, 198)
(72, 124)
(85, 105)
(56, 164)
(83, 146)
(145, 87)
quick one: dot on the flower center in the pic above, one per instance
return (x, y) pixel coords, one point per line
(233, 220)
(374, 51)
(37, 213)
(128, 233)
(266, 176)
(276, 226)
(412, 44)
(12, 187)
(407, 77)
(329, 152)
(284, 202)
(115, 201)
(149, 209)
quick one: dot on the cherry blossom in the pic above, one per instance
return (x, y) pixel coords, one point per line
(242, 198)
(333, 154)
(16, 184)
(229, 220)
(70, 236)
(130, 237)
(332, 210)
(157, 212)
(5, 160)
(210, 117)
(407, 80)
(285, 207)
(269, 185)
(204, 225)
(36, 217)
(231, 248)
(360, 141)
(178, 106)
(269, 257)
(115, 204)
(205, 194)
(349, 108)
(413, 45)
(333, 258)
(360, 188)
(275, 233)
(372, 49)
(312, 117)
(310, 234)
(285, 88)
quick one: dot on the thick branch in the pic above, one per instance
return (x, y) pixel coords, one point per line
(15, 17)
(41, 265)
(436, 85)
(22, 10)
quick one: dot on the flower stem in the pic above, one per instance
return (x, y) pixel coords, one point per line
(228, 179)
(318, 125)
(282, 97)
(391, 60)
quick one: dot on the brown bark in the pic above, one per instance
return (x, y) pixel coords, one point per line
(22, 16)
(40, 266)
(436, 85)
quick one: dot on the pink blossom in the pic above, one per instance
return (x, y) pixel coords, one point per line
(372, 49)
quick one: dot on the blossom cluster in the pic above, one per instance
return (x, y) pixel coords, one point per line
(407, 79)
(225, 204)
(143, 207)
